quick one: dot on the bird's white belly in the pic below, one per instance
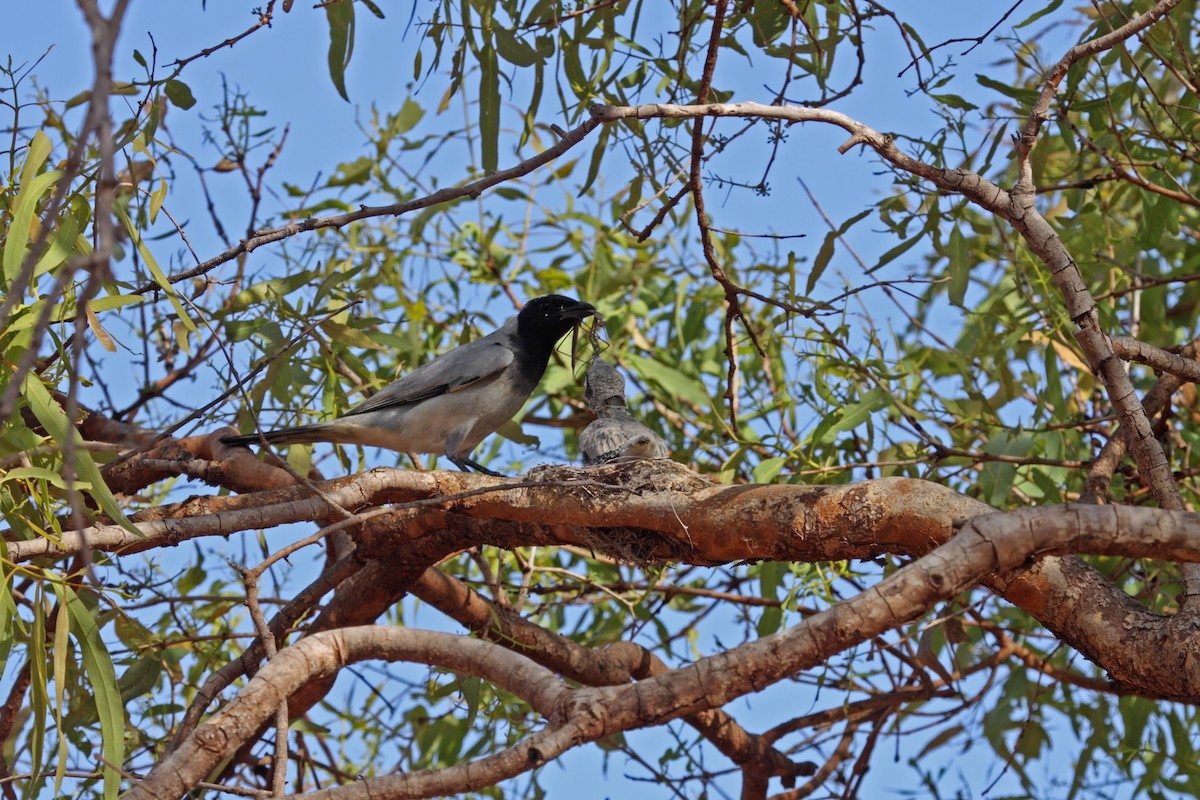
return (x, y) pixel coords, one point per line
(425, 427)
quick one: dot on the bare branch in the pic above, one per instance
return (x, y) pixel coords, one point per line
(1162, 360)
(471, 189)
(1041, 108)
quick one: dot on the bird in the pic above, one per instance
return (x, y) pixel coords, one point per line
(448, 405)
(615, 435)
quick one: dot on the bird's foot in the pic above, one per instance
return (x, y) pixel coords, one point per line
(467, 465)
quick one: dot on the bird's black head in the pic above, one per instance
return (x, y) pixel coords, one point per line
(547, 319)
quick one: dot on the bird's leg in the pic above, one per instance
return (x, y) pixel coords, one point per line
(466, 465)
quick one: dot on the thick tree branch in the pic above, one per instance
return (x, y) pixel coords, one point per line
(994, 542)
(612, 666)
(1131, 349)
(1095, 488)
(659, 510)
(324, 654)
(588, 508)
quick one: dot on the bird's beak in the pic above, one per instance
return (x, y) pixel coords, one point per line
(577, 312)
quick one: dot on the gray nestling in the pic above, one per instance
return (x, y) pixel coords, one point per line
(615, 435)
(448, 405)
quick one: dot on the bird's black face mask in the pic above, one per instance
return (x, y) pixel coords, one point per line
(550, 316)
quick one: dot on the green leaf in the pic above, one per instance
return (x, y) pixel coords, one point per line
(340, 16)
(408, 117)
(180, 94)
(513, 431)
(38, 684)
(1050, 8)
(239, 330)
(960, 266)
(821, 261)
(489, 105)
(157, 199)
(826, 251)
(768, 21)
(39, 150)
(1025, 97)
(140, 678)
(61, 631)
(954, 101)
(456, 75)
(52, 418)
(35, 473)
(347, 335)
(996, 478)
(1158, 214)
(598, 154)
(472, 690)
(62, 311)
(190, 579)
(352, 173)
(769, 621)
(1033, 740)
(8, 611)
(573, 68)
(943, 736)
(16, 246)
(514, 50)
(66, 239)
(276, 287)
(690, 390)
(768, 469)
(1051, 491)
(896, 252)
(156, 272)
(103, 680)
(851, 416)
(770, 581)
(116, 301)
(132, 633)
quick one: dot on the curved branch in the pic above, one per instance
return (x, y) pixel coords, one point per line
(1131, 349)
(1001, 541)
(696, 521)
(324, 654)
(994, 542)
(613, 666)
(651, 510)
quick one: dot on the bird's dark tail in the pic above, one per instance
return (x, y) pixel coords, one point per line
(302, 434)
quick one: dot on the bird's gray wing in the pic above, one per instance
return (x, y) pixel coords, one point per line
(602, 440)
(451, 372)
